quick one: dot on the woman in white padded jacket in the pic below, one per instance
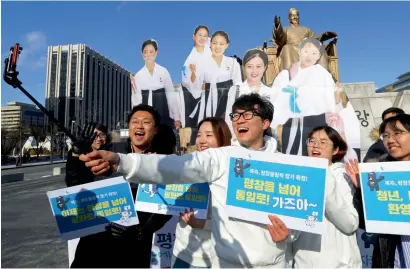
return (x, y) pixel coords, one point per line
(337, 246)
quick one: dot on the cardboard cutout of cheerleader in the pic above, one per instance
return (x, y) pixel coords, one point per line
(221, 73)
(254, 64)
(192, 86)
(306, 96)
(153, 86)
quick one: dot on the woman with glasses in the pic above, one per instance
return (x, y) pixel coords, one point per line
(390, 251)
(255, 63)
(337, 246)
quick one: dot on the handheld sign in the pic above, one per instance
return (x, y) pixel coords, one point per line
(291, 187)
(163, 244)
(87, 209)
(173, 199)
(386, 197)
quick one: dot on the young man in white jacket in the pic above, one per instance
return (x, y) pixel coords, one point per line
(237, 243)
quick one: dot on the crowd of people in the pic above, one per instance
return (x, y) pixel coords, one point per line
(230, 113)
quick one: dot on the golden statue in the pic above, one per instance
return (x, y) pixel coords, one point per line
(286, 51)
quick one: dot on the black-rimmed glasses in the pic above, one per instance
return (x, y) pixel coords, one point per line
(247, 115)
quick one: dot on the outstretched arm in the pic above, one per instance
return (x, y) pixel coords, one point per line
(196, 167)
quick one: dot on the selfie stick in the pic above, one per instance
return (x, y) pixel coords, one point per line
(10, 77)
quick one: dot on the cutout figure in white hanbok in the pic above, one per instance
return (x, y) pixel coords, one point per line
(311, 89)
(194, 65)
(154, 87)
(255, 63)
(304, 99)
(221, 73)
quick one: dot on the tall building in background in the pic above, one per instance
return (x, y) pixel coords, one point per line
(17, 114)
(83, 86)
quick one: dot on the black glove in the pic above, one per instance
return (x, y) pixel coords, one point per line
(83, 146)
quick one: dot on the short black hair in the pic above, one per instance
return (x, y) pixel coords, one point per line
(394, 110)
(147, 108)
(403, 118)
(248, 101)
(102, 128)
(150, 42)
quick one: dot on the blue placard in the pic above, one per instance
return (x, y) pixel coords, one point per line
(88, 208)
(173, 199)
(257, 188)
(386, 194)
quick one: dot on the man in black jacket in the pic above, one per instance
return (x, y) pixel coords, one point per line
(146, 136)
(128, 247)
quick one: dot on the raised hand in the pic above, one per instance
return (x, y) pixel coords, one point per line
(278, 230)
(192, 67)
(177, 124)
(352, 170)
(83, 146)
(336, 122)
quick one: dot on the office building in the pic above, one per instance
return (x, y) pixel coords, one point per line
(84, 86)
(401, 84)
(16, 115)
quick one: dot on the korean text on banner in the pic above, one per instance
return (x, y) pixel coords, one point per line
(87, 209)
(173, 199)
(386, 197)
(163, 244)
(291, 187)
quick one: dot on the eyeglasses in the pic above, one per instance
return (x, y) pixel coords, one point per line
(311, 142)
(395, 135)
(247, 115)
(144, 122)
